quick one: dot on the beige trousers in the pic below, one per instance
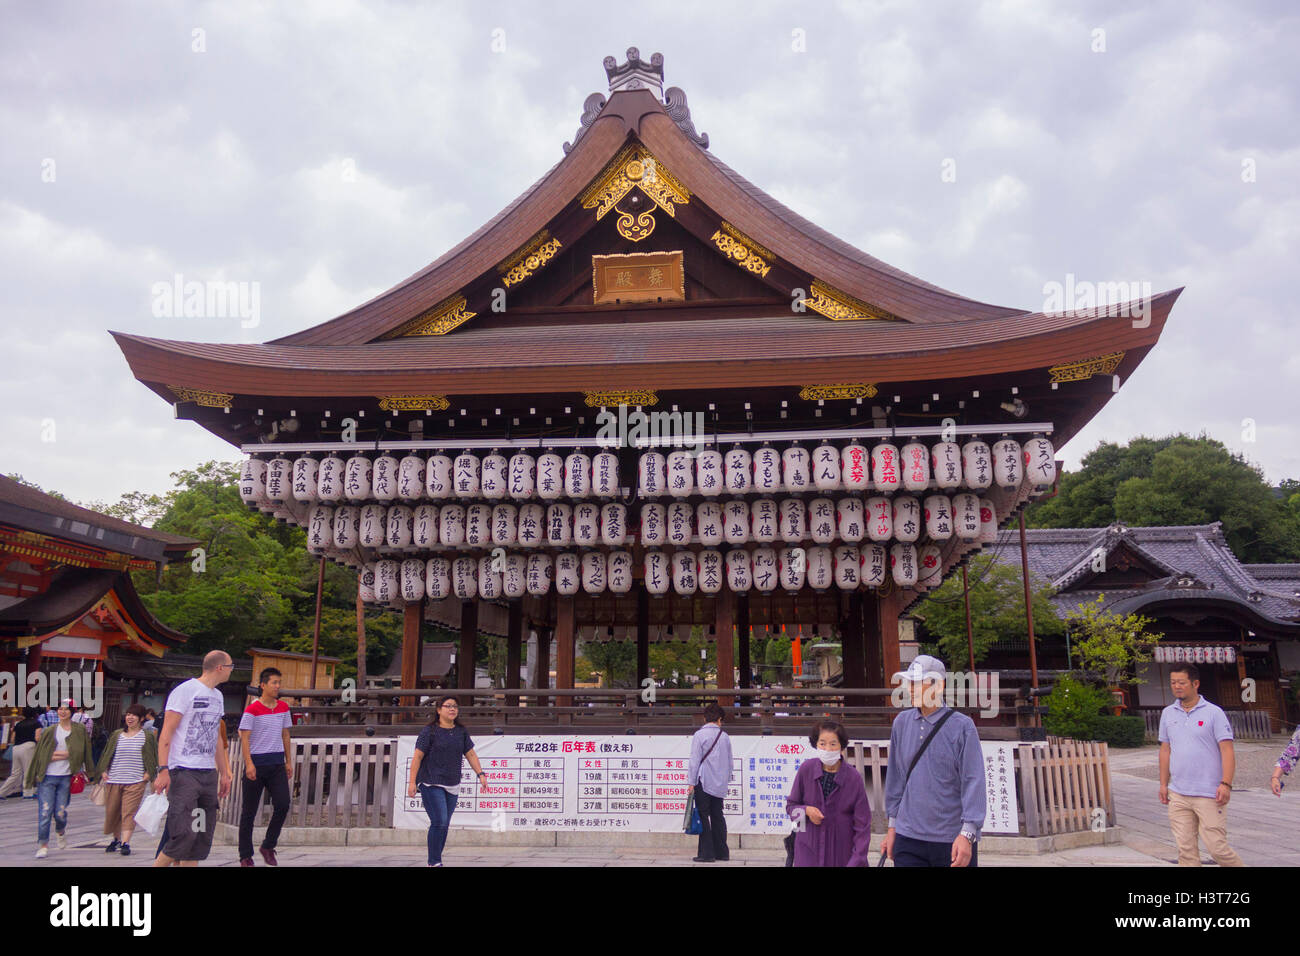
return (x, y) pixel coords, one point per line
(1187, 815)
(21, 756)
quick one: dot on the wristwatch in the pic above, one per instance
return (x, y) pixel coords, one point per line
(971, 835)
(164, 767)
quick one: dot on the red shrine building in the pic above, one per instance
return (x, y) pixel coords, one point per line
(647, 398)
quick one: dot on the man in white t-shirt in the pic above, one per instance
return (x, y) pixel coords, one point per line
(193, 763)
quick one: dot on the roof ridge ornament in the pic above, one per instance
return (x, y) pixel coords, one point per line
(635, 73)
(680, 113)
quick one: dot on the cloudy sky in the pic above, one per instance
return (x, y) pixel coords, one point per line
(326, 150)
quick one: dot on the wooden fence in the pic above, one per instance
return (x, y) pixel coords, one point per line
(1246, 724)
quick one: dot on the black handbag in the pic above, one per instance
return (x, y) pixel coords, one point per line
(915, 760)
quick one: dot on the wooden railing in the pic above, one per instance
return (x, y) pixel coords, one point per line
(1246, 724)
(1065, 786)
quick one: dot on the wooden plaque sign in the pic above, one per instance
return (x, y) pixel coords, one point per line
(638, 277)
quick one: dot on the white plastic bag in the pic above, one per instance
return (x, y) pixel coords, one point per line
(152, 813)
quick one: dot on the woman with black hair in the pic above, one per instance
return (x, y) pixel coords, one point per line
(828, 803)
(435, 770)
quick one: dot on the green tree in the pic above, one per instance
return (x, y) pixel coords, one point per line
(997, 610)
(1111, 644)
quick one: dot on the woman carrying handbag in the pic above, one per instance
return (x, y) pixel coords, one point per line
(128, 763)
(828, 802)
(62, 751)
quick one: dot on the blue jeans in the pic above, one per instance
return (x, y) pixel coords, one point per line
(439, 804)
(52, 796)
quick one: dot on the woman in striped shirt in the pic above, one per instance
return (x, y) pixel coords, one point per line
(131, 761)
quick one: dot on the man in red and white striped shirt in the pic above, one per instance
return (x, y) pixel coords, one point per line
(264, 736)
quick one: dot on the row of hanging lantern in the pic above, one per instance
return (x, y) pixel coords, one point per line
(1196, 654)
(904, 519)
(885, 468)
(740, 570)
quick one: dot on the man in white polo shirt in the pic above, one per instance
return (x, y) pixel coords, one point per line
(1196, 768)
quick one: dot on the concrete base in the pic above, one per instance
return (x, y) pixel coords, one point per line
(228, 835)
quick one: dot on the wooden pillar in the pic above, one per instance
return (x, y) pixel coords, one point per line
(743, 634)
(854, 650)
(542, 678)
(315, 634)
(724, 632)
(361, 643)
(411, 618)
(642, 640)
(468, 645)
(565, 640)
(880, 640)
(514, 647)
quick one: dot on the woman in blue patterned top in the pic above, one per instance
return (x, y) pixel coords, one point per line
(1286, 763)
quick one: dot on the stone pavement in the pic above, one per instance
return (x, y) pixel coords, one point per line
(1262, 828)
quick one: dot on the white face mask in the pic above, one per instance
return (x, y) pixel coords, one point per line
(830, 757)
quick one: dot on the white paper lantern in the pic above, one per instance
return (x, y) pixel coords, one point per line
(437, 579)
(559, 526)
(366, 583)
(738, 469)
(320, 529)
(400, 530)
(902, 562)
(763, 520)
(792, 567)
(494, 477)
(938, 517)
(523, 475)
(604, 475)
(880, 518)
(618, 568)
(577, 475)
(478, 525)
(514, 575)
(796, 468)
(371, 527)
(613, 523)
(568, 573)
(1158, 654)
(466, 474)
(252, 482)
(847, 573)
(708, 523)
(654, 524)
(489, 577)
(652, 474)
(410, 478)
(1180, 654)
(347, 519)
(384, 480)
(464, 577)
(1230, 654)
(685, 579)
(412, 580)
(826, 468)
(505, 525)
(873, 562)
(914, 459)
(966, 516)
(735, 521)
(1200, 655)
(1218, 655)
(437, 478)
(821, 568)
(929, 568)
(388, 581)
(945, 464)
(305, 470)
(739, 578)
(1040, 463)
(540, 574)
(988, 522)
(279, 480)
(329, 480)
(851, 519)
(907, 518)
(658, 576)
(976, 465)
(855, 472)
(532, 525)
(709, 571)
(821, 520)
(793, 520)
(424, 526)
(356, 478)
(451, 525)
(550, 476)
(593, 572)
(1008, 469)
(681, 474)
(764, 571)
(708, 472)
(586, 524)
(767, 469)
(680, 517)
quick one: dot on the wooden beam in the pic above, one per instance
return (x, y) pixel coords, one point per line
(743, 632)
(542, 678)
(724, 632)
(412, 616)
(564, 646)
(514, 646)
(468, 644)
(881, 645)
(642, 639)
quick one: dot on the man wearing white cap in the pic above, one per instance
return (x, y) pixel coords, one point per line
(934, 787)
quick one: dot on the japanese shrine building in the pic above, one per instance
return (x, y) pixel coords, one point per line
(863, 429)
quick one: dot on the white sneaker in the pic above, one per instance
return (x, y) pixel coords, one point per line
(42, 852)
(63, 840)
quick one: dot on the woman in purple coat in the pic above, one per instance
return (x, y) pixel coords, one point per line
(831, 800)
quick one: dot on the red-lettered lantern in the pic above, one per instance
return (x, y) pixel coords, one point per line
(886, 471)
(915, 459)
(880, 519)
(855, 471)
